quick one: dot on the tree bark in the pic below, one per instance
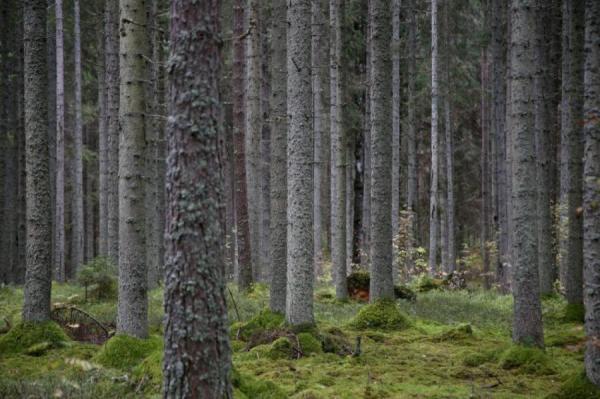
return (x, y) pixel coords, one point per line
(299, 300)
(278, 228)
(571, 168)
(132, 318)
(591, 200)
(197, 360)
(103, 132)
(111, 58)
(338, 142)
(527, 326)
(36, 306)
(395, 9)
(77, 218)
(412, 192)
(382, 285)
(244, 261)
(318, 87)
(59, 213)
(366, 212)
(433, 193)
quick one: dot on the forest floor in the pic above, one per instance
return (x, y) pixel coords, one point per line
(454, 345)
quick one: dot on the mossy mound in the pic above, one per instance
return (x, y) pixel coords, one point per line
(403, 292)
(333, 340)
(124, 352)
(33, 337)
(246, 386)
(479, 358)
(309, 345)
(150, 370)
(426, 283)
(264, 321)
(528, 359)
(574, 313)
(281, 348)
(382, 314)
(456, 333)
(576, 387)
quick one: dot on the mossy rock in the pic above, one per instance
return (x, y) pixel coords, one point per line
(281, 348)
(574, 313)
(576, 387)
(403, 292)
(33, 336)
(263, 321)
(528, 359)
(246, 386)
(124, 352)
(383, 314)
(309, 345)
(459, 332)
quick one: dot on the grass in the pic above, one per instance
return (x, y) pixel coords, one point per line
(456, 345)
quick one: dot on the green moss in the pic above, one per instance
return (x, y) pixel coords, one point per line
(281, 348)
(265, 320)
(333, 340)
(403, 292)
(576, 387)
(359, 280)
(26, 335)
(565, 335)
(309, 344)
(123, 352)
(460, 332)
(574, 312)
(237, 345)
(528, 359)
(251, 387)
(149, 371)
(308, 394)
(426, 283)
(383, 314)
(479, 358)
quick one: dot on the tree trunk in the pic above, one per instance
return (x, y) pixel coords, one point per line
(253, 133)
(244, 261)
(77, 218)
(278, 228)
(132, 318)
(299, 306)
(318, 55)
(338, 142)
(36, 306)
(111, 58)
(546, 104)
(395, 9)
(571, 152)
(103, 132)
(59, 213)
(433, 196)
(197, 360)
(412, 192)
(485, 235)
(382, 285)
(366, 213)
(527, 327)
(265, 143)
(90, 199)
(591, 210)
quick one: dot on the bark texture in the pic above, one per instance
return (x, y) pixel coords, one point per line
(591, 201)
(132, 318)
(338, 154)
(244, 261)
(299, 303)
(36, 306)
(412, 193)
(395, 9)
(571, 168)
(59, 198)
(382, 285)
(433, 193)
(318, 58)
(102, 146)
(527, 325)
(197, 355)
(278, 226)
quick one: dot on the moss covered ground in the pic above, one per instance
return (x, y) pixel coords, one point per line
(443, 345)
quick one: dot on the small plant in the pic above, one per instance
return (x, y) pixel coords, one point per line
(99, 278)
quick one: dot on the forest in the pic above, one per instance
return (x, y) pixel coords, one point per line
(306, 199)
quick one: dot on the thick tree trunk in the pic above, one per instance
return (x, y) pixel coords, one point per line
(278, 229)
(571, 154)
(382, 285)
(197, 355)
(132, 318)
(36, 306)
(111, 58)
(546, 104)
(433, 191)
(338, 143)
(299, 303)
(59, 212)
(591, 210)
(527, 327)
(77, 218)
(395, 9)
(244, 261)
